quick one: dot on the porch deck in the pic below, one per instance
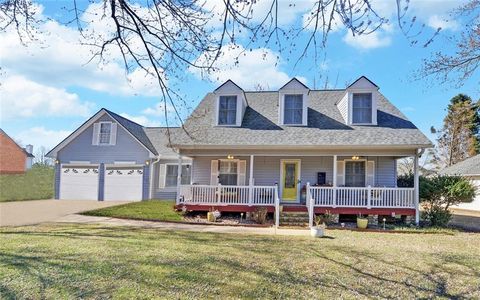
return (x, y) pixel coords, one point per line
(337, 200)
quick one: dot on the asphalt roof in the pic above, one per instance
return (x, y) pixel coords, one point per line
(470, 166)
(326, 126)
(135, 129)
(159, 138)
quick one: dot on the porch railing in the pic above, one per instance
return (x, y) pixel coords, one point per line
(369, 197)
(227, 195)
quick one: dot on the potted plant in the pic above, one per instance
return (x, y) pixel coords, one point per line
(362, 222)
(319, 229)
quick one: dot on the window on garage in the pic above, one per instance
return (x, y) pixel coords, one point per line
(172, 174)
(104, 134)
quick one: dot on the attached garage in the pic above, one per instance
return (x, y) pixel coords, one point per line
(79, 182)
(123, 183)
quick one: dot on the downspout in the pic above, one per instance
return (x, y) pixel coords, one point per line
(151, 175)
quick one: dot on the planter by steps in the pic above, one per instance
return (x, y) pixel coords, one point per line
(318, 231)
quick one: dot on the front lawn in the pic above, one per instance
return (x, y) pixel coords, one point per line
(36, 183)
(155, 210)
(85, 261)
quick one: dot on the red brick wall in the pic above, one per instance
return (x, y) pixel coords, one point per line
(12, 158)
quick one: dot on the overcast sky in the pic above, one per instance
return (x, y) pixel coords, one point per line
(48, 89)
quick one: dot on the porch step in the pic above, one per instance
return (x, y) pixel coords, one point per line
(294, 219)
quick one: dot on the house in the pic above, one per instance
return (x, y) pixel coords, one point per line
(302, 149)
(468, 168)
(13, 158)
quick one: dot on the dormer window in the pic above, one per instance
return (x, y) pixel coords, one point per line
(227, 110)
(362, 108)
(293, 110)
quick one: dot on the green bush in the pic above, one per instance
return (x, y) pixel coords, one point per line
(439, 193)
(405, 180)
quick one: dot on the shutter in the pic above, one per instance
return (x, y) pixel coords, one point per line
(162, 173)
(370, 173)
(242, 171)
(113, 134)
(340, 173)
(214, 172)
(96, 133)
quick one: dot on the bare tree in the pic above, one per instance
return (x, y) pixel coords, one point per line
(41, 157)
(165, 37)
(464, 63)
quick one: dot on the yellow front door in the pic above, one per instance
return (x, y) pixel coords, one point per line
(290, 171)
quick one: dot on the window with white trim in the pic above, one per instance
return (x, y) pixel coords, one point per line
(355, 175)
(104, 133)
(227, 110)
(293, 110)
(362, 108)
(171, 174)
(228, 172)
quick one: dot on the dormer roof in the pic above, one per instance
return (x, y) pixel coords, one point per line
(294, 79)
(363, 82)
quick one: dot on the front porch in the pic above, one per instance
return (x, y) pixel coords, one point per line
(311, 183)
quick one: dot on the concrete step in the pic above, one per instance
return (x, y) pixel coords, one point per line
(294, 219)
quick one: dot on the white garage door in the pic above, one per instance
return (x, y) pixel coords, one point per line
(123, 183)
(79, 182)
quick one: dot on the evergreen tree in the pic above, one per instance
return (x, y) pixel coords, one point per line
(459, 138)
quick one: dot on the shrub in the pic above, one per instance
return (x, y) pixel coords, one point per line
(405, 180)
(440, 192)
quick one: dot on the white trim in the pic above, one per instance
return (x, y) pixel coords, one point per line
(100, 132)
(85, 126)
(281, 106)
(80, 162)
(282, 161)
(373, 92)
(410, 147)
(124, 162)
(79, 165)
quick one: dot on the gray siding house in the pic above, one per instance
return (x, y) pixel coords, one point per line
(301, 149)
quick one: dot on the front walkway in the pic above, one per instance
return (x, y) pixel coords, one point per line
(20, 213)
(74, 218)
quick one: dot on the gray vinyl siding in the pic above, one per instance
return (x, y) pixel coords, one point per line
(202, 165)
(266, 169)
(127, 148)
(166, 193)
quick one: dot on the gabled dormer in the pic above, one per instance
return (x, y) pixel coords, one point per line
(359, 104)
(230, 104)
(293, 104)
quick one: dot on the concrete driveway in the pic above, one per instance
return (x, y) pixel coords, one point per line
(33, 212)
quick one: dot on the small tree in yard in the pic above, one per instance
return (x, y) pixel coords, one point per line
(439, 193)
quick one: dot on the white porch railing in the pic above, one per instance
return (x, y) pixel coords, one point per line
(227, 195)
(367, 197)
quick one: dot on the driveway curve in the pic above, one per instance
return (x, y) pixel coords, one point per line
(20, 213)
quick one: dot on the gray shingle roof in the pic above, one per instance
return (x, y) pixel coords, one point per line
(470, 166)
(326, 126)
(135, 129)
(159, 138)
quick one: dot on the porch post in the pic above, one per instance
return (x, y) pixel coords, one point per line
(416, 183)
(277, 207)
(334, 198)
(179, 177)
(250, 182)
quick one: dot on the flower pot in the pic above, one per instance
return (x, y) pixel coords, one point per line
(211, 216)
(317, 231)
(362, 223)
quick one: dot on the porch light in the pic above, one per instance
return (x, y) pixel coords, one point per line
(355, 158)
(230, 156)
(147, 162)
(57, 161)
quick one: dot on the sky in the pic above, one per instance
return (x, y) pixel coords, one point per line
(50, 88)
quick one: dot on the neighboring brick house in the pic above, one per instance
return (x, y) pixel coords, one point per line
(13, 158)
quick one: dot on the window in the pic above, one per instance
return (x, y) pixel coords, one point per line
(227, 110)
(293, 109)
(362, 108)
(105, 130)
(228, 173)
(355, 173)
(172, 173)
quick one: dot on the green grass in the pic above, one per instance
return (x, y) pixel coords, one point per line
(158, 210)
(85, 261)
(36, 183)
